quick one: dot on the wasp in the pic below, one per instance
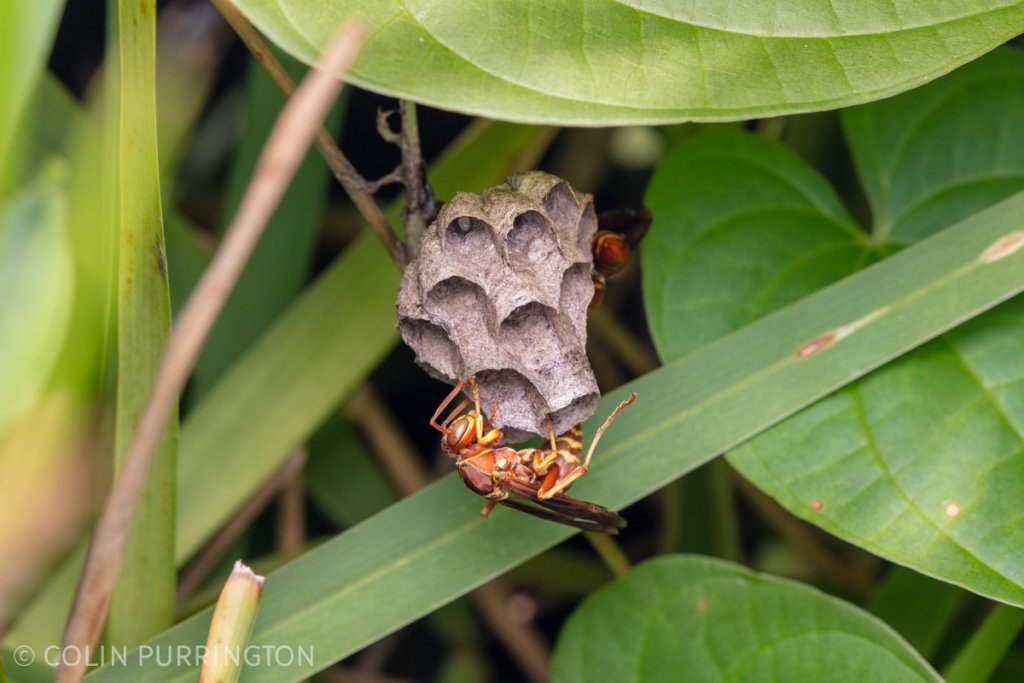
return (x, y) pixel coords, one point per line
(619, 233)
(531, 480)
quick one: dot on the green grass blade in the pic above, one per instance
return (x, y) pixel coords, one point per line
(427, 549)
(27, 30)
(986, 648)
(343, 478)
(143, 602)
(37, 275)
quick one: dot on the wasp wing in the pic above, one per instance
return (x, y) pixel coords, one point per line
(562, 508)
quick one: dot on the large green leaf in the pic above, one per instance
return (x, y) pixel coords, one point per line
(919, 462)
(615, 61)
(431, 547)
(742, 227)
(695, 619)
(901, 462)
(940, 153)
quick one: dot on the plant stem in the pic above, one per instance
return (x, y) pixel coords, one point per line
(421, 207)
(726, 525)
(980, 656)
(609, 552)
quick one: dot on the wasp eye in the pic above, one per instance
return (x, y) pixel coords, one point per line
(456, 432)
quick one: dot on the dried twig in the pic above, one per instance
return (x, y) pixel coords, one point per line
(291, 515)
(281, 156)
(420, 203)
(358, 188)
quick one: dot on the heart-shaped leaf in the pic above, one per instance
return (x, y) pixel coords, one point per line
(914, 463)
(618, 61)
(695, 619)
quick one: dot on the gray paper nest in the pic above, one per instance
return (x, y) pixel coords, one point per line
(499, 290)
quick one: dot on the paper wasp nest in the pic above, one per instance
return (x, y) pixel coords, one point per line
(500, 290)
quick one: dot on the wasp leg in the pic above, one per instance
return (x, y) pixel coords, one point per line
(444, 404)
(493, 436)
(568, 479)
(494, 411)
(476, 404)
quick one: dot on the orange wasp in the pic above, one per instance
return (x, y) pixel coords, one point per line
(531, 480)
(619, 233)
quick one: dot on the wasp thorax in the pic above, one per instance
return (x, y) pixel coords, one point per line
(499, 290)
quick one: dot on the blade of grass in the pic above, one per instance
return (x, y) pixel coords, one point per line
(294, 132)
(986, 648)
(143, 602)
(27, 30)
(433, 546)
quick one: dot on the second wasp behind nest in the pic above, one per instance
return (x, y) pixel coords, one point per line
(531, 480)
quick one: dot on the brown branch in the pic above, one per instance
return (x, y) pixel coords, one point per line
(351, 181)
(420, 204)
(291, 515)
(286, 145)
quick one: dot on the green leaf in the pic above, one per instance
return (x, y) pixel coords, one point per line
(742, 227)
(143, 602)
(919, 462)
(432, 547)
(604, 62)
(696, 619)
(343, 478)
(879, 463)
(940, 153)
(26, 36)
(37, 273)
